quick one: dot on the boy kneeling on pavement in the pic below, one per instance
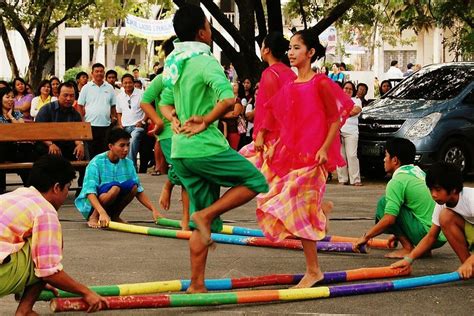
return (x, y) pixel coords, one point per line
(453, 215)
(407, 208)
(31, 239)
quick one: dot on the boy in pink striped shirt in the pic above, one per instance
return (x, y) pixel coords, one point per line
(31, 237)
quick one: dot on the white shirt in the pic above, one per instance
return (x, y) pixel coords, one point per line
(352, 123)
(248, 108)
(393, 73)
(465, 207)
(129, 107)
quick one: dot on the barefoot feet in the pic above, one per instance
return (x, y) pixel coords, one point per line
(165, 196)
(93, 221)
(196, 289)
(309, 280)
(327, 207)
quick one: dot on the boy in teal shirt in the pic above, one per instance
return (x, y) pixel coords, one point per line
(201, 155)
(407, 207)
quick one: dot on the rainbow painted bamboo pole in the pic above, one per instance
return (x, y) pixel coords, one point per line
(256, 296)
(236, 239)
(229, 284)
(244, 231)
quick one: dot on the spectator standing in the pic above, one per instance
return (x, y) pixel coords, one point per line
(394, 72)
(81, 80)
(97, 105)
(136, 76)
(232, 118)
(385, 86)
(130, 115)
(111, 78)
(336, 74)
(362, 90)
(55, 82)
(350, 173)
(409, 70)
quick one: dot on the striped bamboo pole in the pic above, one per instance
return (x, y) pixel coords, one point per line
(255, 296)
(229, 284)
(236, 239)
(244, 231)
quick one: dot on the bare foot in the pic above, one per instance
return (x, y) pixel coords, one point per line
(93, 221)
(196, 289)
(203, 229)
(398, 254)
(309, 280)
(327, 207)
(165, 196)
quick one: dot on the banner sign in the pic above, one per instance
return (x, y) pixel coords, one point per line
(149, 29)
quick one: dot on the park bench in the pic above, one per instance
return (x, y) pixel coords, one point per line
(70, 131)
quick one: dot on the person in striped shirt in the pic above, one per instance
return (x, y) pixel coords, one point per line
(31, 237)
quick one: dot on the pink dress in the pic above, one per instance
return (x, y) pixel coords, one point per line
(300, 115)
(19, 102)
(272, 80)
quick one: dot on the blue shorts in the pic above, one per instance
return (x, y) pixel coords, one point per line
(125, 187)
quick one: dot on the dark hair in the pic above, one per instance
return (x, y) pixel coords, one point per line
(277, 44)
(363, 85)
(68, 84)
(167, 46)
(401, 148)
(3, 92)
(381, 84)
(138, 81)
(343, 65)
(187, 21)
(393, 63)
(6, 84)
(409, 65)
(446, 176)
(128, 76)
(49, 170)
(41, 85)
(97, 65)
(135, 69)
(354, 91)
(14, 87)
(340, 84)
(117, 134)
(80, 74)
(53, 79)
(111, 72)
(311, 41)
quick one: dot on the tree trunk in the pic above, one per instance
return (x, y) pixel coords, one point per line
(275, 22)
(332, 17)
(261, 23)
(9, 50)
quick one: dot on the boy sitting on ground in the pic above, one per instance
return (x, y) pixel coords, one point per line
(31, 244)
(453, 214)
(407, 207)
(111, 183)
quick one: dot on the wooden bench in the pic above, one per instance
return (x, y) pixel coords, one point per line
(70, 131)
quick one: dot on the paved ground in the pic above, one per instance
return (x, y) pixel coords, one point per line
(97, 257)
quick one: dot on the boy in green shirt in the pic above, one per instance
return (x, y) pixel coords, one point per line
(201, 155)
(407, 207)
(153, 93)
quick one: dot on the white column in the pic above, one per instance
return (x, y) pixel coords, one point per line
(60, 54)
(85, 47)
(142, 61)
(437, 46)
(110, 61)
(378, 68)
(101, 51)
(420, 52)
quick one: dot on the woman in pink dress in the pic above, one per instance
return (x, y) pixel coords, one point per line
(305, 118)
(273, 78)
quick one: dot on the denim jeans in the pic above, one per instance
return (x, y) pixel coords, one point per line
(137, 135)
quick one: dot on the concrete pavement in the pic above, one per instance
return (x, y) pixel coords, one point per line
(98, 257)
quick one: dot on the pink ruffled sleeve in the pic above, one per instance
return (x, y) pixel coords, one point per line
(337, 105)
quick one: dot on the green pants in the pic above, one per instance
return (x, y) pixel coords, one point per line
(19, 273)
(166, 149)
(406, 225)
(203, 177)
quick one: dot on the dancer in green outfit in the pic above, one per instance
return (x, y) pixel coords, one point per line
(201, 155)
(153, 93)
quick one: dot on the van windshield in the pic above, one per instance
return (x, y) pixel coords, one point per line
(438, 84)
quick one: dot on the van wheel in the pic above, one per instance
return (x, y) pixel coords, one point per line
(456, 153)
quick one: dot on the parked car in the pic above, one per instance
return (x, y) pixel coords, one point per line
(434, 108)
